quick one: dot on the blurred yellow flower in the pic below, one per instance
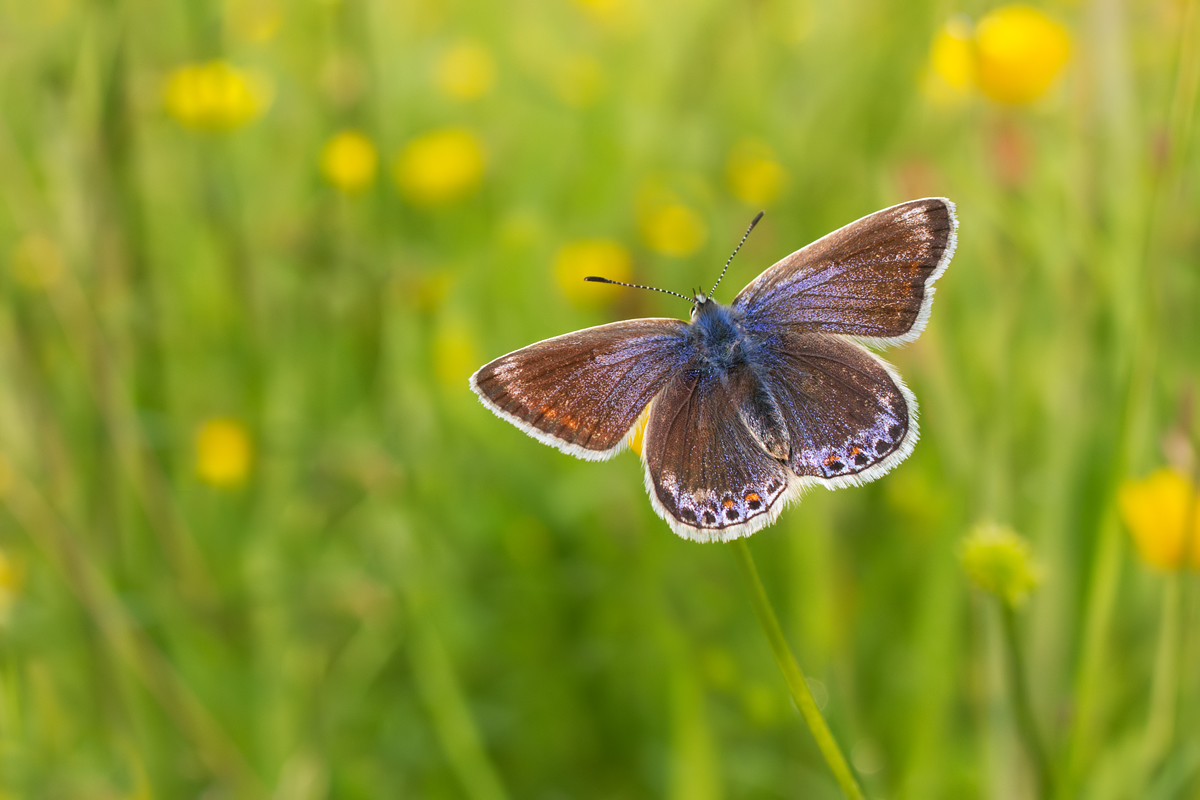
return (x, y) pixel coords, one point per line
(214, 96)
(579, 81)
(667, 225)
(348, 161)
(440, 166)
(11, 579)
(620, 15)
(755, 175)
(603, 257)
(952, 60)
(999, 561)
(1163, 518)
(1019, 52)
(455, 356)
(37, 263)
(223, 452)
(1013, 56)
(465, 71)
(253, 20)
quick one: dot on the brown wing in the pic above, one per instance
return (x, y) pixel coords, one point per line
(872, 279)
(707, 474)
(583, 392)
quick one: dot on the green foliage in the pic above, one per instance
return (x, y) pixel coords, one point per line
(393, 593)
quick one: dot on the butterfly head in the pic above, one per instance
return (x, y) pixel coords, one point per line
(699, 301)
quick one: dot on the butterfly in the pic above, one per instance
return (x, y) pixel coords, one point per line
(745, 405)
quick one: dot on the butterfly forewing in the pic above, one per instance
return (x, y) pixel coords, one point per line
(849, 418)
(583, 392)
(872, 279)
(708, 477)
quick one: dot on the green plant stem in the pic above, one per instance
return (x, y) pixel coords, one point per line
(793, 675)
(1160, 724)
(1019, 695)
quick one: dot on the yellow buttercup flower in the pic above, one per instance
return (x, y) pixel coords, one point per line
(440, 167)
(349, 161)
(667, 225)
(455, 355)
(465, 71)
(253, 20)
(223, 453)
(999, 561)
(1163, 518)
(11, 578)
(618, 15)
(37, 263)
(215, 96)
(952, 60)
(673, 230)
(755, 175)
(1019, 53)
(577, 260)
(1013, 56)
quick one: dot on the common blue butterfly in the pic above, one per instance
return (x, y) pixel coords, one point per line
(748, 403)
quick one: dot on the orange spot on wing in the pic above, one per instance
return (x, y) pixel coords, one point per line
(727, 503)
(753, 498)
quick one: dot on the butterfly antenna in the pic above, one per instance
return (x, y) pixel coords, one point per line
(753, 222)
(595, 279)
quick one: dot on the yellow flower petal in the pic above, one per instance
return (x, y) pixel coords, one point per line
(1155, 510)
(214, 96)
(455, 355)
(755, 175)
(577, 260)
(667, 225)
(465, 71)
(1019, 52)
(348, 161)
(951, 71)
(223, 452)
(11, 579)
(440, 167)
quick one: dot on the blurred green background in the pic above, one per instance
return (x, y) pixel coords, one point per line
(259, 540)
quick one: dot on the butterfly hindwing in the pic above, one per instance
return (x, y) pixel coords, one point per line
(849, 417)
(583, 392)
(707, 474)
(872, 279)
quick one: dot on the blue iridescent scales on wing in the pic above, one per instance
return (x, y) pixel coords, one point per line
(751, 402)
